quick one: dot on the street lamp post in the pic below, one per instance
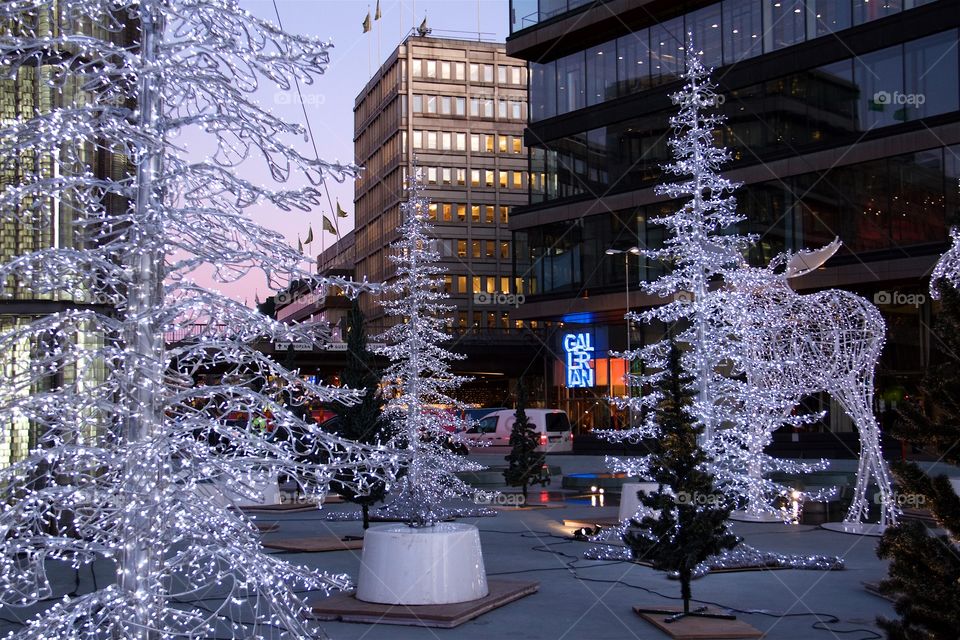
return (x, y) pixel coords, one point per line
(626, 253)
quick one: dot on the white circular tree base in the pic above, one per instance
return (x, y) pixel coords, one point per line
(749, 516)
(855, 528)
(442, 564)
(630, 503)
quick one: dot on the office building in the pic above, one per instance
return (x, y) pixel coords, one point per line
(842, 119)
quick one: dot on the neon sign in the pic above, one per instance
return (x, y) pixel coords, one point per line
(579, 350)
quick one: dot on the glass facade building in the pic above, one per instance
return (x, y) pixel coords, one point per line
(842, 120)
(39, 223)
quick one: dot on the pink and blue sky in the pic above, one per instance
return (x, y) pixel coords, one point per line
(330, 100)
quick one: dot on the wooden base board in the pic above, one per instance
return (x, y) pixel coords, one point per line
(293, 506)
(266, 527)
(344, 607)
(315, 544)
(874, 588)
(591, 523)
(530, 507)
(694, 628)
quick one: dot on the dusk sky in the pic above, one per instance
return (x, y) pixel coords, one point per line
(330, 100)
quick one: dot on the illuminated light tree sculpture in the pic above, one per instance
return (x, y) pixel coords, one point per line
(698, 249)
(124, 437)
(419, 377)
(948, 267)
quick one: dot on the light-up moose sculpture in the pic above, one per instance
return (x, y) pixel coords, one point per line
(828, 341)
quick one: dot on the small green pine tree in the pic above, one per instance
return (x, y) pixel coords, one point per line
(525, 462)
(924, 571)
(361, 422)
(692, 525)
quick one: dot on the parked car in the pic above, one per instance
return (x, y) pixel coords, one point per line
(553, 425)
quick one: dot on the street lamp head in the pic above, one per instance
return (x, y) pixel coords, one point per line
(615, 252)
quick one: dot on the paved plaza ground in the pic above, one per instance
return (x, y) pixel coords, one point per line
(593, 600)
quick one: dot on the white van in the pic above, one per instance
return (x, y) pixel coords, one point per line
(553, 425)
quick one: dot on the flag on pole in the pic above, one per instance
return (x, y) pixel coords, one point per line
(366, 23)
(299, 245)
(309, 238)
(376, 15)
(340, 212)
(328, 226)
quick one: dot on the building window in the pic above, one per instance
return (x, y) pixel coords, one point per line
(474, 107)
(879, 74)
(704, 25)
(931, 75)
(431, 175)
(502, 143)
(475, 142)
(459, 71)
(830, 16)
(667, 51)
(431, 139)
(431, 68)
(504, 214)
(571, 92)
(518, 179)
(417, 139)
(417, 68)
(447, 175)
(461, 141)
(742, 30)
(543, 90)
(501, 74)
(504, 284)
(462, 283)
(477, 285)
(432, 211)
(867, 10)
(488, 143)
(475, 213)
(446, 141)
(447, 212)
(504, 250)
(461, 248)
(787, 23)
(446, 105)
(474, 177)
(460, 107)
(461, 212)
(488, 177)
(488, 213)
(502, 109)
(448, 284)
(516, 109)
(445, 70)
(517, 144)
(417, 103)
(503, 179)
(601, 73)
(490, 249)
(431, 104)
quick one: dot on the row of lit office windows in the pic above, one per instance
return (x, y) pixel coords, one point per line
(460, 248)
(457, 141)
(456, 284)
(457, 212)
(453, 70)
(457, 176)
(514, 108)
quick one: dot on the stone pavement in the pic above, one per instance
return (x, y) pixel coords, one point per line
(592, 599)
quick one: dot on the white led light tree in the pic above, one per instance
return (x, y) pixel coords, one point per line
(125, 437)
(699, 248)
(419, 377)
(948, 267)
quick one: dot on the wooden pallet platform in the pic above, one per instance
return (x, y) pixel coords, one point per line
(693, 628)
(344, 607)
(314, 544)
